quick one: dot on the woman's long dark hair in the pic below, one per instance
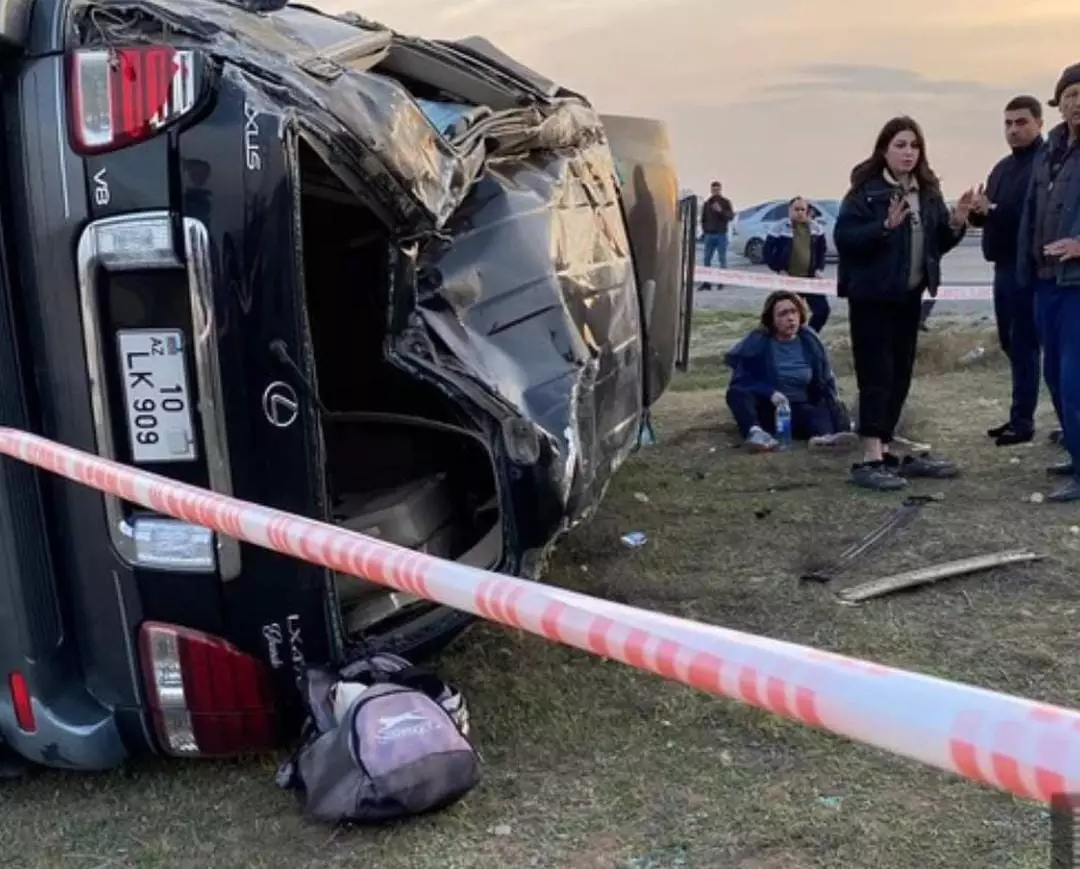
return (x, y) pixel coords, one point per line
(874, 165)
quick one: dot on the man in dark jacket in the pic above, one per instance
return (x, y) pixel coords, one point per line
(1048, 260)
(716, 217)
(997, 210)
(796, 247)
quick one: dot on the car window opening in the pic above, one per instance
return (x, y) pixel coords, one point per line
(398, 465)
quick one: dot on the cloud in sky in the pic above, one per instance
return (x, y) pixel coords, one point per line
(878, 80)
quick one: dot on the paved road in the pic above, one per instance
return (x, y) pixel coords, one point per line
(964, 265)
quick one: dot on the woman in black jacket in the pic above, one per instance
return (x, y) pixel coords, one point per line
(892, 231)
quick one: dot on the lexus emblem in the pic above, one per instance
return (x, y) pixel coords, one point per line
(280, 404)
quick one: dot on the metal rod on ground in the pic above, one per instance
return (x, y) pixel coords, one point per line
(894, 522)
(933, 573)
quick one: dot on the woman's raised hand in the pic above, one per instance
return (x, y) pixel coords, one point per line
(899, 211)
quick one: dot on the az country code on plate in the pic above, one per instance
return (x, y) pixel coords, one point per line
(157, 400)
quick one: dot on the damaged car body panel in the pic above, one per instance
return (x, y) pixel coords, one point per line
(422, 292)
(536, 295)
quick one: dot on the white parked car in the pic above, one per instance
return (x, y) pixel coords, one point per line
(748, 230)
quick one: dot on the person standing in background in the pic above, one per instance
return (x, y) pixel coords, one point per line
(894, 227)
(796, 247)
(1049, 261)
(716, 217)
(997, 210)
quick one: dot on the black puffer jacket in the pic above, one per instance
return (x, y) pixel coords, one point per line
(875, 261)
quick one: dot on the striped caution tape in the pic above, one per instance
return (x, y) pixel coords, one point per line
(1029, 749)
(820, 286)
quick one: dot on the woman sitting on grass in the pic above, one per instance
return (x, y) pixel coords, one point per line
(784, 362)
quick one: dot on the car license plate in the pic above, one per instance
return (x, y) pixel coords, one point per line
(157, 403)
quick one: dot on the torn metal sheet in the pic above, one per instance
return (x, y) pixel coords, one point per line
(536, 295)
(338, 83)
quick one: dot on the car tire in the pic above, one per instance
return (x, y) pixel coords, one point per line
(755, 251)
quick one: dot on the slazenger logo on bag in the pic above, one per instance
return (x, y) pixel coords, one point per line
(406, 724)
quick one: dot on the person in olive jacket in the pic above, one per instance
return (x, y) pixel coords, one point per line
(893, 229)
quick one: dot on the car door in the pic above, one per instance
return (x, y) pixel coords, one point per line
(651, 204)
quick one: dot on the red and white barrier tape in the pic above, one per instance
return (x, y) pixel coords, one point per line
(819, 286)
(1027, 748)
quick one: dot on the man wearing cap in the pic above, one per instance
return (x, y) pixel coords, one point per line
(1048, 261)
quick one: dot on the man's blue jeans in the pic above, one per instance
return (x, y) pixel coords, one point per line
(1057, 313)
(1014, 309)
(716, 242)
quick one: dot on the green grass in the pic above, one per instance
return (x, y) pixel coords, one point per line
(590, 764)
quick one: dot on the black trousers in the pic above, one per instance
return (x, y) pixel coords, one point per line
(1014, 309)
(819, 310)
(884, 337)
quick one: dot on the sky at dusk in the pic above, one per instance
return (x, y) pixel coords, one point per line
(780, 97)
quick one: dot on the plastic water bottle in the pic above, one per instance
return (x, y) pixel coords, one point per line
(783, 425)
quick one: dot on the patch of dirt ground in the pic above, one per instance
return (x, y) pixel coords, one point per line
(591, 764)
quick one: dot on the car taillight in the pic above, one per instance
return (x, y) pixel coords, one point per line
(122, 96)
(208, 698)
(22, 702)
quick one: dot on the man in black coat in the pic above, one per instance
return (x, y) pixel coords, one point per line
(997, 210)
(716, 217)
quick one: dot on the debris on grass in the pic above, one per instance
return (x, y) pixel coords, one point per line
(933, 573)
(973, 355)
(634, 539)
(823, 571)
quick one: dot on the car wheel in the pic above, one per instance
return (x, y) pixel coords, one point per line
(755, 250)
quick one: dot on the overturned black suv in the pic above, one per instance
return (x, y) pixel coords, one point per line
(408, 286)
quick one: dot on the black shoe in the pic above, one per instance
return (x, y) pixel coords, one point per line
(876, 477)
(997, 431)
(923, 467)
(1061, 469)
(1011, 437)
